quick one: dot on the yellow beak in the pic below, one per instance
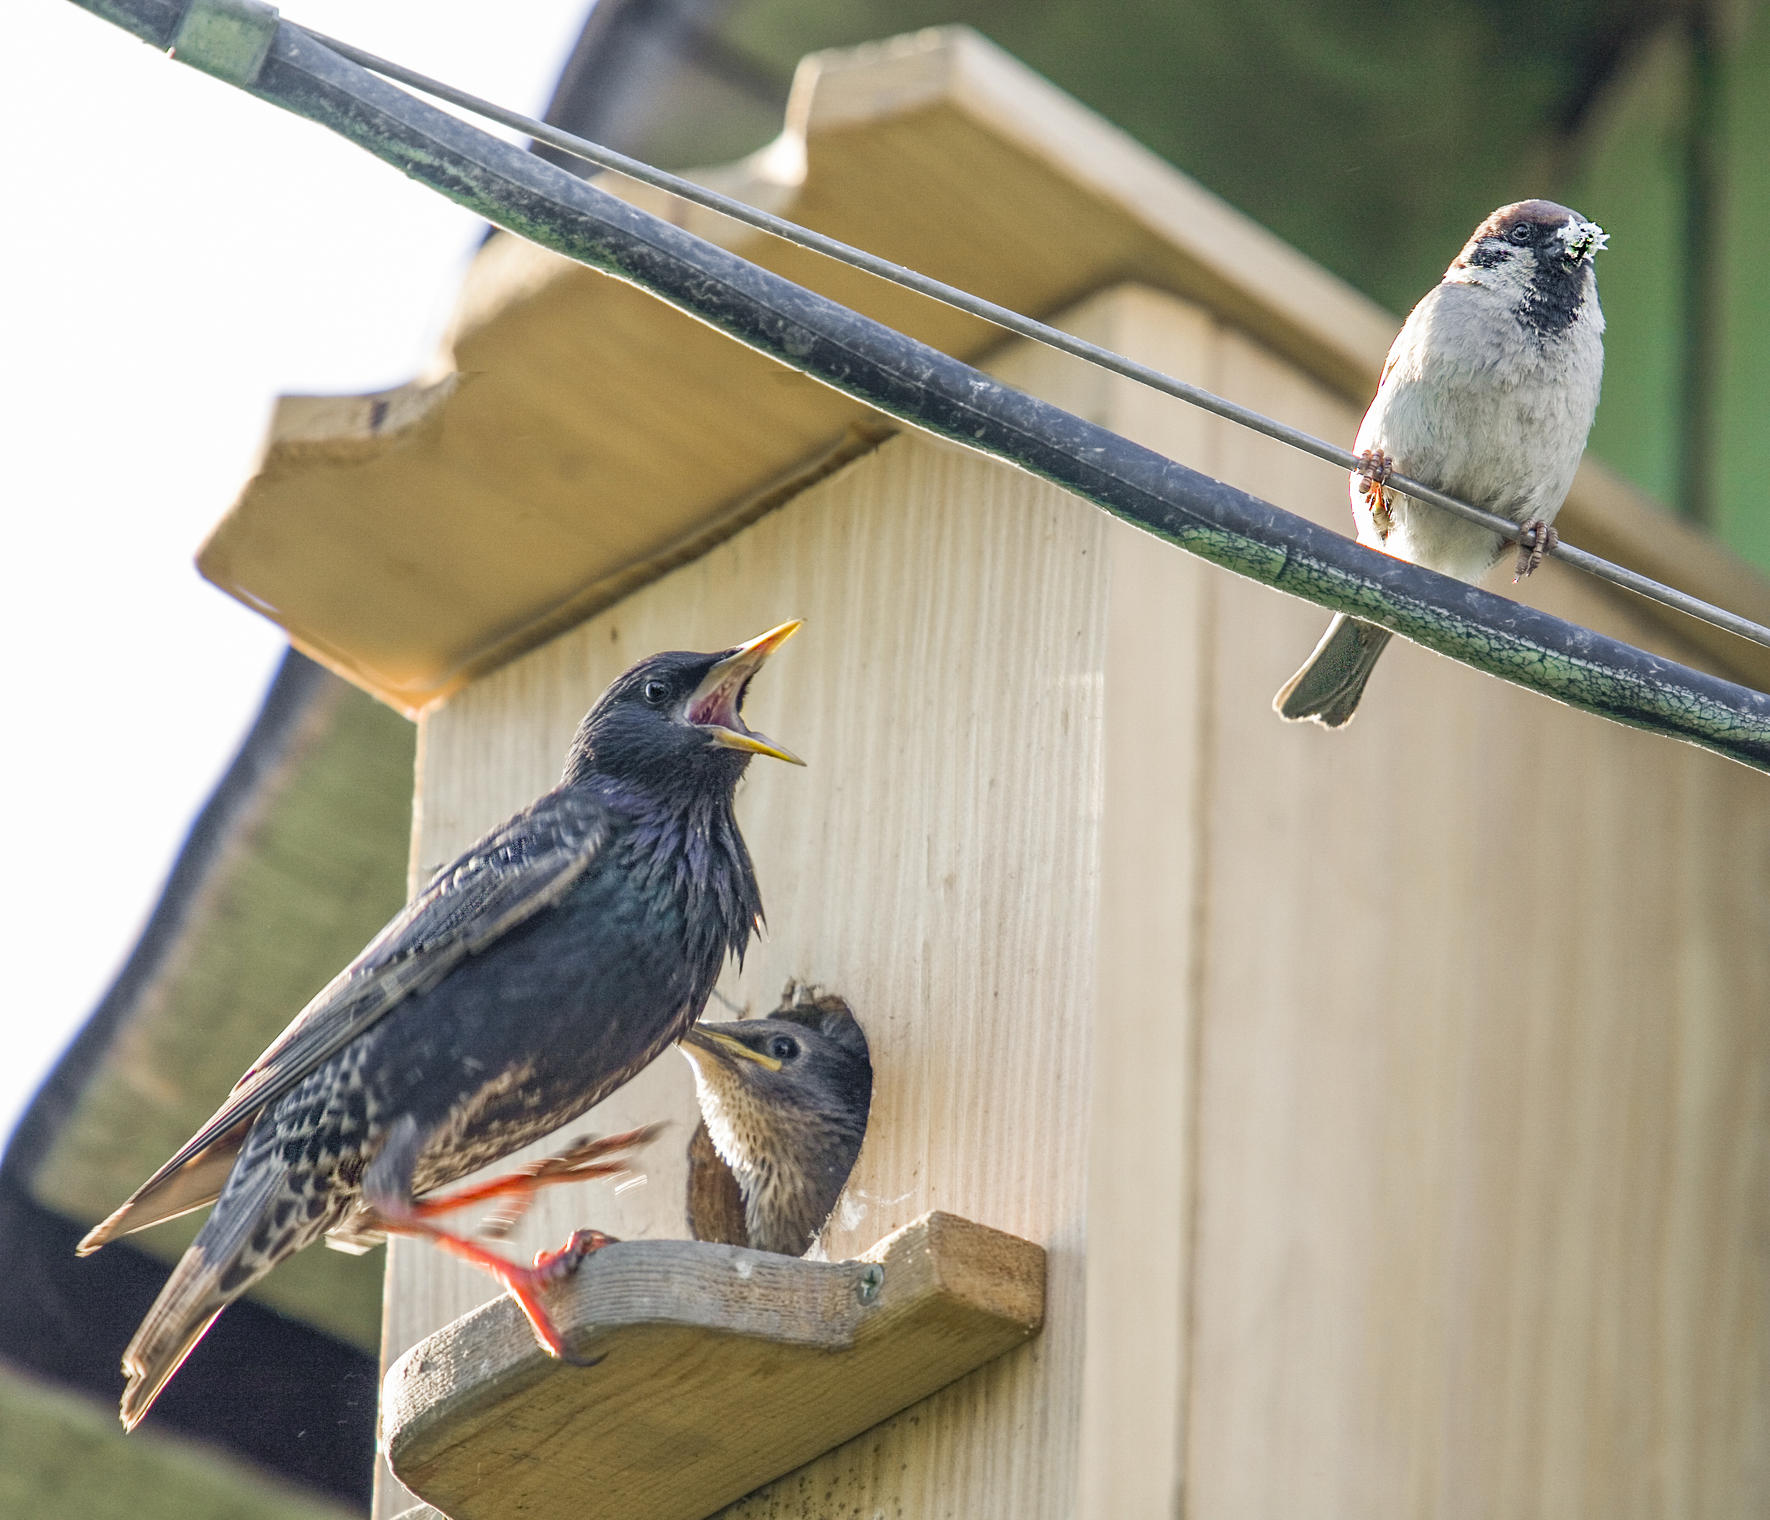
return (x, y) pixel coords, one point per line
(714, 705)
(724, 1046)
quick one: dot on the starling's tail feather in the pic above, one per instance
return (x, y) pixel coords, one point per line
(1332, 679)
(158, 1351)
(193, 1186)
(215, 1271)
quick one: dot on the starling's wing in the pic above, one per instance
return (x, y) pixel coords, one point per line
(502, 881)
(509, 876)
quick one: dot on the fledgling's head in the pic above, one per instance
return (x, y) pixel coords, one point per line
(1540, 254)
(785, 1100)
(676, 718)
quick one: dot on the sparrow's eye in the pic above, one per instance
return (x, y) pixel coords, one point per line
(783, 1047)
(656, 692)
(1522, 234)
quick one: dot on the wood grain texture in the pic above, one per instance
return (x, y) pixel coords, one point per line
(1484, 1083)
(936, 864)
(720, 1368)
(1394, 1104)
(1159, 628)
(1142, 1164)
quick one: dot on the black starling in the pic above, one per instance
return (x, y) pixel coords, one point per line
(784, 1106)
(529, 979)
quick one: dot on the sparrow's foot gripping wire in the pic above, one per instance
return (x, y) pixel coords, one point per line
(1535, 541)
(1376, 467)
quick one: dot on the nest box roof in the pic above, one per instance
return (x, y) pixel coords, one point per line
(578, 437)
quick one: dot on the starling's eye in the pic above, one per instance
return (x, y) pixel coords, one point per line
(656, 692)
(783, 1047)
(1523, 233)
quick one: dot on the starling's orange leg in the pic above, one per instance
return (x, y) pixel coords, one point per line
(1536, 539)
(585, 1158)
(581, 1161)
(524, 1284)
(1376, 467)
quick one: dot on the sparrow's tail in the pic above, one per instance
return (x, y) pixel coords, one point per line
(230, 1253)
(1327, 688)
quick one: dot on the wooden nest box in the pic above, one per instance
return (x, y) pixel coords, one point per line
(1389, 1105)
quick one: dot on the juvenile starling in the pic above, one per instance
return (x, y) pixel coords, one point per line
(784, 1106)
(529, 979)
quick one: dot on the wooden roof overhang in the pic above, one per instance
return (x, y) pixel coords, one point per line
(577, 437)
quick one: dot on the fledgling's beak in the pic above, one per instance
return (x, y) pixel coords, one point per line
(714, 705)
(723, 1047)
(1583, 239)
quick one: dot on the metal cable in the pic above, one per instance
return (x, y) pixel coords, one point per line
(1027, 327)
(943, 397)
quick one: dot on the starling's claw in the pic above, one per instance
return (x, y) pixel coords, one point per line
(552, 1266)
(524, 1284)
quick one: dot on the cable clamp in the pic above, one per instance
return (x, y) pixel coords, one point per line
(227, 38)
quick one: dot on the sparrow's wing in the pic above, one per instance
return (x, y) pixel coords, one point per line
(510, 875)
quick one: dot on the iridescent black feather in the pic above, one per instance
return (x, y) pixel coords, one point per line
(531, 977)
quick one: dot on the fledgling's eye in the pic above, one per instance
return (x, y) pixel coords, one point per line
(783, 1047)
(656, 692)
(1523, 234)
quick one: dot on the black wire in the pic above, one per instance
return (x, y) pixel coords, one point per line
(1039, 332)
(896, 375)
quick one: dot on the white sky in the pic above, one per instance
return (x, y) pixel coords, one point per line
(173, 254)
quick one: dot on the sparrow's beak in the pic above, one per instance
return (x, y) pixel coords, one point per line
(715, 703)
(723, 1047)
(1583, 239)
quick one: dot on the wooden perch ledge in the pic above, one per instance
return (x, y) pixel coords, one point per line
(720, 1370)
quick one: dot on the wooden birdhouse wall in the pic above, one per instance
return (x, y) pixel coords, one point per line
(937, 864)
(1392, 1104)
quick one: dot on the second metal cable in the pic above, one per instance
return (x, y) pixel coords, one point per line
(1027, 327)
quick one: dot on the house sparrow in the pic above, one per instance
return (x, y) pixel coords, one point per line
(1488, 394)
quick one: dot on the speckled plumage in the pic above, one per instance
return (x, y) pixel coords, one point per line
(529, 979)
(787, 1137)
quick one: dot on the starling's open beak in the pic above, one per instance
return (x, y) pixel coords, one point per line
(715, 703)
(724, 1047)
